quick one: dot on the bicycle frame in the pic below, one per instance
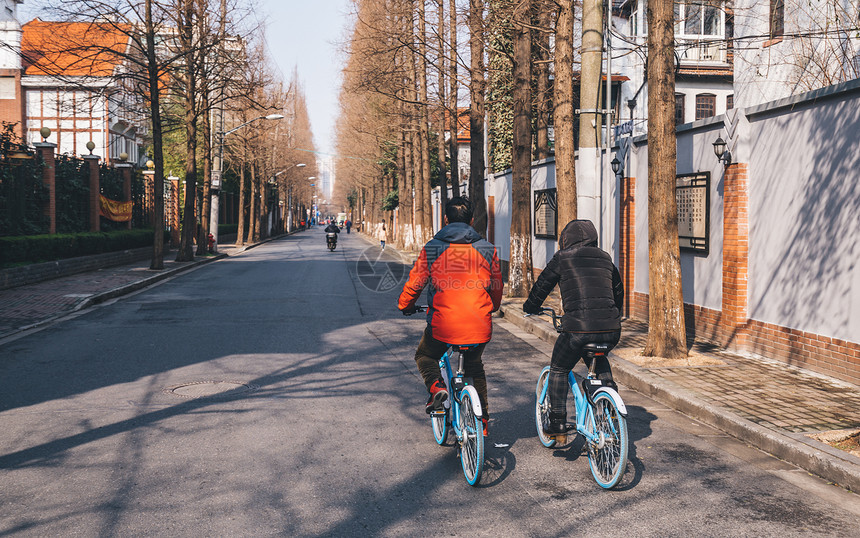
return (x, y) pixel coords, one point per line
(584, 417)
(449, 376)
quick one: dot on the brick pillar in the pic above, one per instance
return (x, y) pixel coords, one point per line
(174, 211)
(628, 241)
(49, 178)
(95, 205)
(735, 256)
(149, 195)
(125, 170)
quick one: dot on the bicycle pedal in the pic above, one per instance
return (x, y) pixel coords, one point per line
(439, 413)
(559, 438)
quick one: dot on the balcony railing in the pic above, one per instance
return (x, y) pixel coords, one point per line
(701, 52)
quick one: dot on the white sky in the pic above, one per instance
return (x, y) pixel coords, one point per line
(301, 34)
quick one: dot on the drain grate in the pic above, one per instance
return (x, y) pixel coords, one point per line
(208, 389)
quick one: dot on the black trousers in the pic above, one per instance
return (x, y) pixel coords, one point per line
(431, 350)
(565, 355)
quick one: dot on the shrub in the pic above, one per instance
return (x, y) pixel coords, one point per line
(41, 248)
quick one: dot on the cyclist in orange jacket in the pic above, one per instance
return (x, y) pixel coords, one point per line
(465, 281)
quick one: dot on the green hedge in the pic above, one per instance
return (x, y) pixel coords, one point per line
(42, 248)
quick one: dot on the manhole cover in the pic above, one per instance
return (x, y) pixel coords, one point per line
(202, 389)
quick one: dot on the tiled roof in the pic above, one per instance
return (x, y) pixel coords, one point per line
(72, 48)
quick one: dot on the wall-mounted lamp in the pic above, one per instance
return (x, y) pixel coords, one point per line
(723, 155)
(616, 165)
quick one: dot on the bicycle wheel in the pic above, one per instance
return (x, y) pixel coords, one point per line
(472, 445)
(608, 457)
(542, 409)
(440, 427)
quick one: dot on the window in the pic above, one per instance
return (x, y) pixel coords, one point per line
(698, 18)
(777, 18)
(706, 103)
(679, 108)
(730, 101)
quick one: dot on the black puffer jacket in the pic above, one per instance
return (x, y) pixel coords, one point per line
(591, 290)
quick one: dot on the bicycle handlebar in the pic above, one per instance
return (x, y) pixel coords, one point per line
(556, 319)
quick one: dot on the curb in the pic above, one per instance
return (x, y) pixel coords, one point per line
(818, 458)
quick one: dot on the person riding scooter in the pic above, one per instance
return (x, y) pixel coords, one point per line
(331, 232)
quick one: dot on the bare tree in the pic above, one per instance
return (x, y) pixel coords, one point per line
(666, 332)
(477, 87)
(565, 172)
(520, 278)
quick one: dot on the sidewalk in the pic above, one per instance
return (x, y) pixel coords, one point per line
(767, 404)
(32, 305)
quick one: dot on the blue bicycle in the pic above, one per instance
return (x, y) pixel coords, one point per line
(600, 416)
(461, 413)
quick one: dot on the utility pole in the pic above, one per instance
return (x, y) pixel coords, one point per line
(590, 121)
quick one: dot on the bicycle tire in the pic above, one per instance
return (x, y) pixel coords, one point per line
(440, 427)
(542, 409)
(608, 458)
(472, 445)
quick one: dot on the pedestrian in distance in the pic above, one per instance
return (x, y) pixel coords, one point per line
(380, 233)
(463, 272)
(592, 295)
(348, 225)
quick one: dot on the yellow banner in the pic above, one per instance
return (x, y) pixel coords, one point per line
(115, 211)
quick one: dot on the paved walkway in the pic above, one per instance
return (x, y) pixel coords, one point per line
(765, 403)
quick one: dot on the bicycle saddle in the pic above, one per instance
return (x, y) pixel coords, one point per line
(597, 348)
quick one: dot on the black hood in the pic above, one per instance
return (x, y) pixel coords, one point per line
(578, 233)
(458, 232)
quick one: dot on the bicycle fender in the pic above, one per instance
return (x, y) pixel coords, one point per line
(476, 402)
(616, 398)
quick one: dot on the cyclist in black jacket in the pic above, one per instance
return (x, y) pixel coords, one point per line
(592, 295)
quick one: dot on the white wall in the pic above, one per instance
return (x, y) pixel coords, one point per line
(805, 216)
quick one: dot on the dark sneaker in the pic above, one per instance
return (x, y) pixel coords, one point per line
(438, 395)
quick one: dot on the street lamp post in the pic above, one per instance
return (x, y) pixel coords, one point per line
(218, 170)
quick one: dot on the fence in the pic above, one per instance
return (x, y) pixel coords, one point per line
(29, 207)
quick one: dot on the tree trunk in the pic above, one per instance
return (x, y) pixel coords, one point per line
(440, 122)
(666, 331)
(253, 220)
(203, 239)
(424, 127)
(565, 160)
(189, 228)
(476, 116)
(157, 262)
(542, 99)
(205, 213)
(454, 116)
(240, 233)
(520, 276)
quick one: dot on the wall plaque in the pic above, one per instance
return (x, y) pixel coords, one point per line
(546, 214)
(693, 197)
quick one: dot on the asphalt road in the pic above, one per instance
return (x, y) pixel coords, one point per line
(274, 393)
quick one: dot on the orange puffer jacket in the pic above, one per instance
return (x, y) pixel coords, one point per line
(465, 285)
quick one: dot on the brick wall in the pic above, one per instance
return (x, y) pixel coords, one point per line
(628, 241)
(730, 327)
(735, 257)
